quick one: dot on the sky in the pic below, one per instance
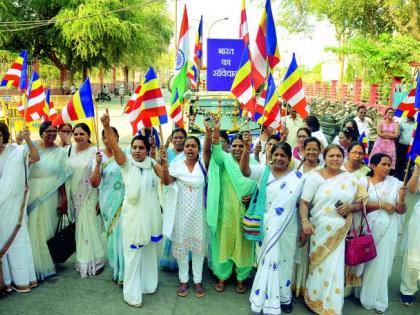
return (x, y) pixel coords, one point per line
(309, 51)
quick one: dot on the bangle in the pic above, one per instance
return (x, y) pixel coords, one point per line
(304, 220)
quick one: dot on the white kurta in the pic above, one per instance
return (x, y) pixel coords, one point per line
(17, 264)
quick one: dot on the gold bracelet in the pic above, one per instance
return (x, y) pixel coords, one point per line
(304, 220)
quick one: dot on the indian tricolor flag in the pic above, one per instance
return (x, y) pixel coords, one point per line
(181, 62)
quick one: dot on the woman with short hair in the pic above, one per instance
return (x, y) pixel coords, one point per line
(47, 197)
(18, 272)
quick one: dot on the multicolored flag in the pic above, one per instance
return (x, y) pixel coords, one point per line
(16, 76)
(80, 106)
(417, 96)
(35, 100)
(50, 112)
(181, 61)
(243, 28)
(134, 102)
(176, 111)
(198, 45)
(242, 86)
(406, 107)
(152, 111)
(413, 151)
(266, 53)
(363, 140)
(291, 89)
(192, 75)
(271, 105)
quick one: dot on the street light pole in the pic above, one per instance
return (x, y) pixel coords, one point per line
(220, 20)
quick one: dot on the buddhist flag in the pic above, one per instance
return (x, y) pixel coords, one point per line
(192, 74)
(242, 86)
(176, 111)
(413, 151)
(50, 112)
(364, 142)
(243, 28)
(79, 107)
(266, 53)
(198, 45)
(35, 100)
(406, 107)
(16, 76)
(152, 111)
(134, 102)
(271, 105)
(181, 61)
(291, 89)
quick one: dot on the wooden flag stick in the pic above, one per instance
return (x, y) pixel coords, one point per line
(406, 171)
(161, 135)
(25, 112)
(95, 121)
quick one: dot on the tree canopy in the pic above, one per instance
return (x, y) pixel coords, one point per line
(87, 33)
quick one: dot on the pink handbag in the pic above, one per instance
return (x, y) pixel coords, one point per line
(360, 248)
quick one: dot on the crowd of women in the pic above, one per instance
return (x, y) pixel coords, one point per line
(283, 210)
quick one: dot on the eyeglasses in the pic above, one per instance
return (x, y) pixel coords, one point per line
(356, 153)
(65, 131)
(50, 132)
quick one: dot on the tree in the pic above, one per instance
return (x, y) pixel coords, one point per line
(406, 16)
(78, 34)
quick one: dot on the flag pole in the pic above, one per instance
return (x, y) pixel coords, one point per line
(25, 112)
(161, 135)
(406, 171)
(95, 124)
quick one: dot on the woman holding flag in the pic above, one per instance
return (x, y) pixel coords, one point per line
(271, 290)
(47, 196)
(90, 258)
(107, 176)
(141, 215)
(16, 260)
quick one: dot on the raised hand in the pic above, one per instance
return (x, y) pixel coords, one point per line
(258, 148)
(163, 155)
(98, 158)
(105, 120)
(247, 139)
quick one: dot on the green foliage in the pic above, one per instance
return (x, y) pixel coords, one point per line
(87, 33)
(376, 60)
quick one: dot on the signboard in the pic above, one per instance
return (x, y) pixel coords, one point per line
(223, 58)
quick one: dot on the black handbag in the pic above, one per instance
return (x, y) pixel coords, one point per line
(63, 244)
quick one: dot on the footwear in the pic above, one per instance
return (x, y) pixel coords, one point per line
(240, 287)
(199, 290)
(378, 311)
(407, 299)
(287, 308)
(220, 286)
(133, 305)
(182, 290)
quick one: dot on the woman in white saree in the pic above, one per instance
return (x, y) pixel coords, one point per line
(141, 215)
(271, 290)
(47, 195)
(386, 203)
(84, 198)
(329, 197)
(309, 164)
(16, 263)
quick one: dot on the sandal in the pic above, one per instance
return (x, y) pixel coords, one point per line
(182, 290)
(220, 286)
(241, 288)
(199, 290)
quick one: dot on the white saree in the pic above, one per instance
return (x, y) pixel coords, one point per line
(84, 198)
(16, 263)
(386, 229)
(273, 281)
(46, 176)
(325, 284)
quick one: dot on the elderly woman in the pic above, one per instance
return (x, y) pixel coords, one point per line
(90, 258)
(411, 266)
(184, 220)
(107, 176)
(16, 260)
(141, 215)
(229, 191)
(47, 194)
(271, 290)
(310, 163)
(176, 153)
(301, 135)
(330, 195)
(385, 204)
(388, 130)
